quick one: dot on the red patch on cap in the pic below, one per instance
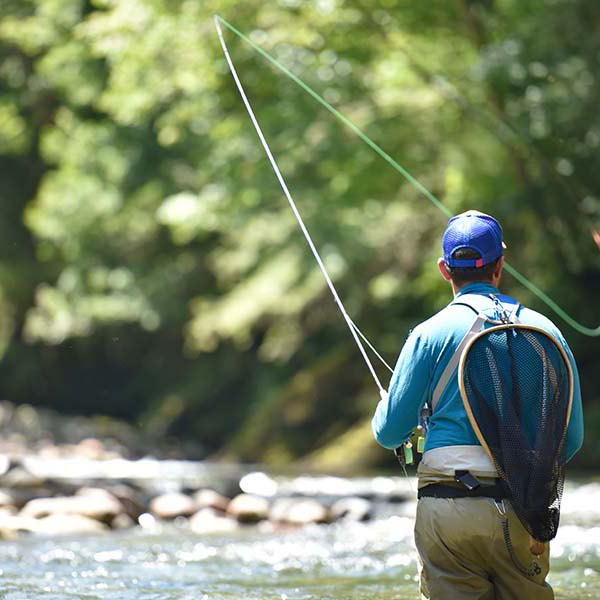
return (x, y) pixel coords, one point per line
(479, 262)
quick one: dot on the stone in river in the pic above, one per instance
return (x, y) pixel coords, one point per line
(147, 521)
(171, 506)
(7, 499)
(122, 521)
(297, 511)
(352, 509)
(5, 464)
(247, 508)
(130, 498)
(93, 503)
(20, 477)
(99, 504)
(211, 499)
(209, 520)
(91, 448)
(11, 525)
(258, 483)
(279, 509)
(66, 524)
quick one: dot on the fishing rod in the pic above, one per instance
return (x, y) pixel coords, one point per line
(404, 453)
(218, 20)
(356, 333)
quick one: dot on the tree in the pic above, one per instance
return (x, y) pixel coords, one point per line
(161, 276)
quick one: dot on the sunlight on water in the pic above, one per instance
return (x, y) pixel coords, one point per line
(359, 561)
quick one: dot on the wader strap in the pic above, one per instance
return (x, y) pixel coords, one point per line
(475, 328)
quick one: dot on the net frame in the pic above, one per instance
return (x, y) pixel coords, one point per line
(463, 393)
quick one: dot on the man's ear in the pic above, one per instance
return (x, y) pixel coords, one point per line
(497, 275)
(443, 269)
(499, 267)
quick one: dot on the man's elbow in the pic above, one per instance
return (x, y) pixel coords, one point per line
(384, 437)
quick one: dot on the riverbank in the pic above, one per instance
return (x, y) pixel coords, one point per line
(63, 475)
(79, 495)
(71, 476)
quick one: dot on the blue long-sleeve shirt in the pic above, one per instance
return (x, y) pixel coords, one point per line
(427, 351)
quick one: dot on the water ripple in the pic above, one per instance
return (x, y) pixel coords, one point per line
(345, 560)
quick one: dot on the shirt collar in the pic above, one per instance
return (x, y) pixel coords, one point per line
(479, 287)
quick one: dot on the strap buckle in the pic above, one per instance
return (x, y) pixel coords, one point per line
(504, 316)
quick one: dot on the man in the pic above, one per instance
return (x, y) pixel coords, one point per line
(462, 549)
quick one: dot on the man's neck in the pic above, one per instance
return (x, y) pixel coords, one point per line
(457, 290)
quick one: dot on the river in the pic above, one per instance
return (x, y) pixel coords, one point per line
(354, 561)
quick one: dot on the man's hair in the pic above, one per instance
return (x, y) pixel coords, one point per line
(463, 275)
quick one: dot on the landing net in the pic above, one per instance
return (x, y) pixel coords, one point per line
(516, 385)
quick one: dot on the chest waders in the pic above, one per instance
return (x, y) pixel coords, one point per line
(516, 384)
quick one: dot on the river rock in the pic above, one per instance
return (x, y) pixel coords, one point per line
(247, 508)
(66, 524)
(147, 521)
(210, 520)
(122, 521)
(211, 499)
(11, 525)
(130, 499)
(94, 503)
(6, 499)
(259, 483)
(352, 509)
(298, 511)
(279, 509)
(101, 504)
(171, 506)
(91, 448)
(20, 477)
(8, 523)
(7, 511)
(5, 464)
(21, 496)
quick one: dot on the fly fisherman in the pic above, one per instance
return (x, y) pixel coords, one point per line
(459, 533)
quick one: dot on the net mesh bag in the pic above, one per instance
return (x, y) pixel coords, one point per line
(516, 386)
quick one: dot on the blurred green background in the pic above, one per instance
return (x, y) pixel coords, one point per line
(150, 267)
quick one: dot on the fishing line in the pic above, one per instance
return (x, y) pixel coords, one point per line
(368, 343)
(580, 328)
(353, 328)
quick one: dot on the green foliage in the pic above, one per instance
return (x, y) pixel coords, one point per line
(150, 267)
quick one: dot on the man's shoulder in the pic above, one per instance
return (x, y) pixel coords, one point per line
(456, 318)
(528, 316)
(450, 320)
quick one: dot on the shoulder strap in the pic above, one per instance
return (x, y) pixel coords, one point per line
(475, 328)
(513, 318)
(452, 365)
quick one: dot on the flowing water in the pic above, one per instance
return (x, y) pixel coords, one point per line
(372, 560)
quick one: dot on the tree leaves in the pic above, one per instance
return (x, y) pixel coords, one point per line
(154, 220)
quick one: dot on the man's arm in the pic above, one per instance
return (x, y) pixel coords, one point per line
(396, 416)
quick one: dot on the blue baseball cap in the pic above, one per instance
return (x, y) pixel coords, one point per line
(476, 231)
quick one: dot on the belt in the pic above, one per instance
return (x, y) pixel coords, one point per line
(440, 490)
